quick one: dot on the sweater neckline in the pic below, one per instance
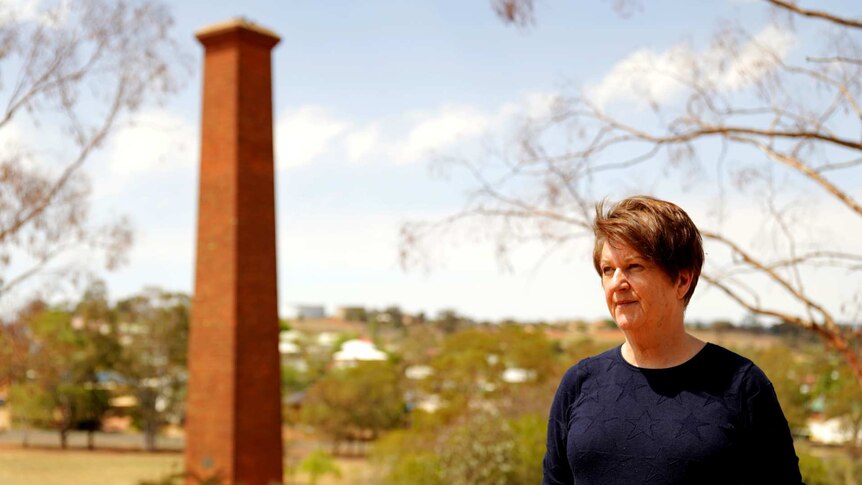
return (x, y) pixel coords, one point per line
(688, 363)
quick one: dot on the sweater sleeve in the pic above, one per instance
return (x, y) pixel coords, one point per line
(772, 458)
(555, 466)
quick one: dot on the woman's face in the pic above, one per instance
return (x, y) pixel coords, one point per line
(639, 294)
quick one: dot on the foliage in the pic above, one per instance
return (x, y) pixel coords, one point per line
(449, 321)
(814, 471)
(490, 430)
(356, 402)
(73, 359)
(77, 74)
(843, 400)
(33, 406)
(154, 326)
(481, 448)
(470, 364)
(63, 367)
(480, 452)
(317, 464)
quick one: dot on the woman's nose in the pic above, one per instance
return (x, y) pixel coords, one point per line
(619, 280)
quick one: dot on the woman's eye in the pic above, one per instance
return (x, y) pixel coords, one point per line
(635, 267)
(607, 270)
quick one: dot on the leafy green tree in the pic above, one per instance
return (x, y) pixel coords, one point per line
(449, 321)
(154, 329)
(480, 452)
(470, 367)
(32, 407)
(317, 464)
(357, 401)
(813, 470)
(843, 400)
(62, 370)
(480, 448)
(16, 343)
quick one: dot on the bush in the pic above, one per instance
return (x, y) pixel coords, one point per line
(481, 449)
(814, 471)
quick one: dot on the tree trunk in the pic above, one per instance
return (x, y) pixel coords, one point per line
(64, 432)
(150, 436)
(90, 444)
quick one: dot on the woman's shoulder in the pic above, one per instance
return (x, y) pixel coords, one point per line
(742, 370)
(593, 365)
(717, 356)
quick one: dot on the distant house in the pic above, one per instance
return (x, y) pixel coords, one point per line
(517, 375)
(310, 312)
(418, 372)
(351, 313)
(357, 350)
(288, 342)
(828, 431)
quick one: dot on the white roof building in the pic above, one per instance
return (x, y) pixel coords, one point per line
(356, 350)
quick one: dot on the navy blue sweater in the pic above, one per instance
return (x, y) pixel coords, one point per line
(714, 419)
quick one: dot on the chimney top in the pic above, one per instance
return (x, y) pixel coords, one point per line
(233, 25)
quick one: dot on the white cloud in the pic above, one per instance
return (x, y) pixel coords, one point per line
(362, 142)
(158, 141)
(647, 75)
(643, 74)
(439, 130)
(539, 105)
(164, 248)
(750, 63)
(307, 133)
(304, 134)
(54, 14)
(533, 106)
(18, 10)
(13, 139)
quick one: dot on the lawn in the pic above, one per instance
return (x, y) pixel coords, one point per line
(20, 466)
(54, 467)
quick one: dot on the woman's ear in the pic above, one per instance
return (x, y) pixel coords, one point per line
(683, 283)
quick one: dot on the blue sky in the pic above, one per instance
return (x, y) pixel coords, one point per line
(365, 94)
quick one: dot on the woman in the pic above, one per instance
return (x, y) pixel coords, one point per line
(664, 407)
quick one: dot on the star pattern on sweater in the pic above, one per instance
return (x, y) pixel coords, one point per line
(593, 418)
(630, 388)
(709, 399)
(691, 425)
(611, 364)
(588, 395)
(676, 428)
(600, 387)
(590, 417)
(659, 467)
(663, 398)
(604, 462)
(643, 425)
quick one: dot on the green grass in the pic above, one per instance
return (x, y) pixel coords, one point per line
(20, 466)
(54, 467)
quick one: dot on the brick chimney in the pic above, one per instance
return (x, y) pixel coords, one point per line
(233, 427)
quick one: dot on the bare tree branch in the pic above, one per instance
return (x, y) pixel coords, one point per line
(836, 19)
(847, 60)
(84, 71)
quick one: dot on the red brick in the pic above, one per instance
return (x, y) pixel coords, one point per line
(233, 409)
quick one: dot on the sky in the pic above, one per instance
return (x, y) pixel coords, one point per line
(366, 96)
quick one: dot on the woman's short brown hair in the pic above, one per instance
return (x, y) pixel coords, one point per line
(659, 230)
